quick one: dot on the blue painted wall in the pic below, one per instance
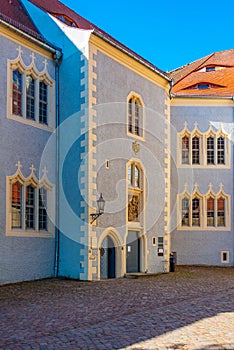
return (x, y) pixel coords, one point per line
(73, 228)
(21, 258)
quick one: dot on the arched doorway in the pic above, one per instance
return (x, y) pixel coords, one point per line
(107, 258)
(110, 254)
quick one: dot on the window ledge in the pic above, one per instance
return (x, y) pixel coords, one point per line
(210, 229)
(135, 225)
(187, 166)
(35, 234)
(134, 136)
(31, 123)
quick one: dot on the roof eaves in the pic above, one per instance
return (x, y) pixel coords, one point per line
(28, 34)
(231, 97)
(131, 54)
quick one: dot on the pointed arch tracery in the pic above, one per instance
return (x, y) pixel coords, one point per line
(27, 200)
(204, 211)
(30, 91)
(208, 149)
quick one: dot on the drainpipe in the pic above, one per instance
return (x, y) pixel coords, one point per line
(57, 58)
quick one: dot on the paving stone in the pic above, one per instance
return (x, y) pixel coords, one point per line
(192, 308)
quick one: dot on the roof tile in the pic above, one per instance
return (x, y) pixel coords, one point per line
(14, 13)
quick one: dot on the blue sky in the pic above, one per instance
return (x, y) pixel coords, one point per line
(167, 33)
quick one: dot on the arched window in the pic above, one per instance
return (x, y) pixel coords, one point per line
(185, 150)
(196, 212)
(29, 202)
(43, 103)
(16, 205)
(30, 207)
(195, 150)
(221, 150)
(16, 93)
(185, 211)
(135, 116)
(30, 98)
(31, 94)
(220, 211)
(203, 149)
(42, 209)
(134, 176)
(210, 150)
(210, 212)
(204, 212)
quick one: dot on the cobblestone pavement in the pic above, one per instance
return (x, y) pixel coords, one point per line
(192, 308)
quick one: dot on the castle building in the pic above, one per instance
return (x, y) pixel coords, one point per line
(97, 125)
(202, 152)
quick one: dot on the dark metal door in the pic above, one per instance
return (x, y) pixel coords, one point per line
(107, 258)
(133, 252)
(111, 262)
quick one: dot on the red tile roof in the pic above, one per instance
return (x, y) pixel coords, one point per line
(55, 7)
(14, 13)
(220, 81)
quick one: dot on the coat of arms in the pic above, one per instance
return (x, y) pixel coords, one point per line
(135, 147)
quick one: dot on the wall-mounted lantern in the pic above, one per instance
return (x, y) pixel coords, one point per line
(100, 209)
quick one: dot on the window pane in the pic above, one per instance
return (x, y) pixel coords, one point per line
(17, 93)
(130, 175)
(30, 92)
(43, 103)
(195, 150)
(185, 212)
(185, 150)
(16, 205)
(210, 212)
(221, 212)
(196, 212)
(137, 116)
(43, 220)
(130, 126)
(220, 150)
(136, 177)
(210, 150)
(30, 207)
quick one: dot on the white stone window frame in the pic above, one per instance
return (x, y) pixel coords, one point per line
(38, 76)
(203, 147)
(137, 98)
(36, 184)
(223, 261)
(203, 209)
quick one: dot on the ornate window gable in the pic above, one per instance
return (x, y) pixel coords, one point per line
(209, 211)
(30, 93)
(207, 150)
(190, 146)
(135, 116)
(29, 205)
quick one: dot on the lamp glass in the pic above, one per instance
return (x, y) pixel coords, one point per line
(100, 204)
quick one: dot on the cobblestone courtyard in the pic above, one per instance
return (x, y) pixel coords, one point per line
(192, 308)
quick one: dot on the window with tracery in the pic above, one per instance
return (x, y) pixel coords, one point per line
(135, 116)
(207, 211)
(203, 149)
(28, 205)
(31, 94)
